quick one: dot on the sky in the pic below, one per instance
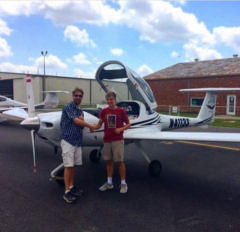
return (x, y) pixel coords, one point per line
(76, 37)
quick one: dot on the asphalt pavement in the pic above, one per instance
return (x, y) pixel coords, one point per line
(198, 190)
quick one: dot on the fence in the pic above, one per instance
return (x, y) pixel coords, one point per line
(177, 110)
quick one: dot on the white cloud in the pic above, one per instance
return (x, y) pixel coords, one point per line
(116, 51)
(82, 74)
(154, 20)
(77, 36)
(4, 29)
(9, 67)
(5, 49)
(51, 63)
(18, 7)
(81, 59)
(181, 2)
(97, 61)
(164, 22)
(144, 70)
(175, 54)
(228, 36)
(68, 12)
(194, 51)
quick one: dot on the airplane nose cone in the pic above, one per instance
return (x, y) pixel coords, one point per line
(31, 123)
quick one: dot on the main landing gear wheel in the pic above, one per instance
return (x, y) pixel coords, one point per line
(95, 156)
(155, 168)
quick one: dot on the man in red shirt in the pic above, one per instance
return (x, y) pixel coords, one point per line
(115, 121)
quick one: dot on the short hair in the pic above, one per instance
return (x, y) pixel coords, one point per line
(77, 90)
(110, 94)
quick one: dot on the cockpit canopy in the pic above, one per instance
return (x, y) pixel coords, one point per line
(137, 86)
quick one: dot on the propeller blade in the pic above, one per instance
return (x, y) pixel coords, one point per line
(30, 96)
(34, 151)
(32, 122)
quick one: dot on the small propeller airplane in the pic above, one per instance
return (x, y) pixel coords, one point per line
(51, 101)
(146, 124)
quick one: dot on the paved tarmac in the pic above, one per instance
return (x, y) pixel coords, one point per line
(198, 191)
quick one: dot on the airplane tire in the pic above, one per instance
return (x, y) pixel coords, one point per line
(155, 168)
(95, 156)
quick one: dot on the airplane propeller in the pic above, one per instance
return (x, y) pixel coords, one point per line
(34, 151)
(31, 123)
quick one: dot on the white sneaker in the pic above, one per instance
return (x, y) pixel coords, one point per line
(106, 186)
(124, 188)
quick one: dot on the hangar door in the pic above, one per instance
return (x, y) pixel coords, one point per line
(6, 88)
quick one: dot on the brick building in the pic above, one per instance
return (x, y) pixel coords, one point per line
(210, 73)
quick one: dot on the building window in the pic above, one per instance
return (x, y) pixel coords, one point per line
(196, 101)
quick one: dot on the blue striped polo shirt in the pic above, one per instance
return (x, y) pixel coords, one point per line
(71, 132)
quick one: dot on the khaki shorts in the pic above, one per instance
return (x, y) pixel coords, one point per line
(72, 155)
(114, 151)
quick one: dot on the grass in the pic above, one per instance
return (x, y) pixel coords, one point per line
(226, 123)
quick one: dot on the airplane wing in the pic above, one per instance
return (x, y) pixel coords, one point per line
(150, 134)
(15, 114)
(2, 109)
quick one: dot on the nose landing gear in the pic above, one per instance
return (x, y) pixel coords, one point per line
(57, 174)
(95, 155)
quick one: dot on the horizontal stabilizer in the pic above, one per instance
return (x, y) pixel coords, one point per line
(209, 89)
(208, 108)
(56, 91)
(51, 100)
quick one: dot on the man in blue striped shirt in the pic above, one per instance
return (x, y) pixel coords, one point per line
(72, 123)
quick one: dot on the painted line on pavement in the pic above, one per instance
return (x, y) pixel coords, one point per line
(210, 145)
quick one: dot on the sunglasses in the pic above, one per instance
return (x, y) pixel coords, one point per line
(78, 95)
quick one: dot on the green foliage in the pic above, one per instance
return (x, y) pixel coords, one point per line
(226, 122)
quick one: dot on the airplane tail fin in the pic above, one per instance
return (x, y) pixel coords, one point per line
(208, 108)
(51, 100)
(207, 111)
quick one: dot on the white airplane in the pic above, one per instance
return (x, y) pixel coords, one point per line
(51, 101)
(146, 124)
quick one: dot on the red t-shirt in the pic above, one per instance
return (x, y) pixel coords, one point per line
(112, 119)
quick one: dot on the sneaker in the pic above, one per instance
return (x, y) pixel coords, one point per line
(106, 186)
(69, 198)
(77, 192)
(123, 188)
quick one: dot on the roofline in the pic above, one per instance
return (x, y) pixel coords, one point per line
(48, 76)
(22, 75)
(191, 77)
